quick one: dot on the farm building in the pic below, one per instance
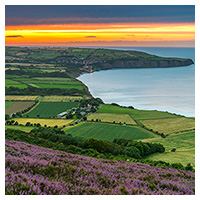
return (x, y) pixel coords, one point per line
(62, 114)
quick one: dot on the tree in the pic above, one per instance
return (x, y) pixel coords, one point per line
(27, 124)
(38, 124)
(7, 117)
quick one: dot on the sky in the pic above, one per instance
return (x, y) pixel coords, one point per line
(64, 25)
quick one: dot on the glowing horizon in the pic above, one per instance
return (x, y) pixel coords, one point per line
(109, 34)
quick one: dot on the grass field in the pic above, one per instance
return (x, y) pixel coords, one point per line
(50, 109)
(168, 126)
(70, 86)
(59, 98)
(22, 128)
(108, 131)
(110, 117)
(181, 141)
(136, 114)
(48, 122)
(11, 83)
(184, 143)
(20, 98)
(18, 106)
(183, 157)
(8, 104)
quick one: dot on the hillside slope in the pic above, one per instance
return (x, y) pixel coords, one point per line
(35, 170)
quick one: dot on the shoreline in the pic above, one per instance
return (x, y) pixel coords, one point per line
(150, 109)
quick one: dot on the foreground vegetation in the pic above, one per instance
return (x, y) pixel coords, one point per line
(30, 170)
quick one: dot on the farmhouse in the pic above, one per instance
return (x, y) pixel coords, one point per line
(62, 114)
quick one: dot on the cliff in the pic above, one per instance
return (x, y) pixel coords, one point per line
(146, 63)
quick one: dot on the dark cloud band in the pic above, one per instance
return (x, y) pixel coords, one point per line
(15, 36)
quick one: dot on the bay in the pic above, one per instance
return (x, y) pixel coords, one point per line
(164, 89)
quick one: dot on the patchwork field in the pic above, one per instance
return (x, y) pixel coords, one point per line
(48, 122)
(136, 114)
(110, 117)
(50, 109)
(52, 82)
(108, 131)
(20, 98)
(7, 104)
(18, 106)
(183, 157)
(59, 98)
(172, 125)
(11, 83)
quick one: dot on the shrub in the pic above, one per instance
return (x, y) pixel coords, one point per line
(173, 150)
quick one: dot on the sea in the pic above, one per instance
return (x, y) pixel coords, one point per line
(164, 89)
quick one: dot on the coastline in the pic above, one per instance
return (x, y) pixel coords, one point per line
(173, 111)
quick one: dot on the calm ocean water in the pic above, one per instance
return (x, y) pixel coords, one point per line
(164, 89)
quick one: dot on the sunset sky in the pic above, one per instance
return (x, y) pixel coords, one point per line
(163, 26)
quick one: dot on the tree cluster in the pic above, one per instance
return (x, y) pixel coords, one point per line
(130, 148)
(32, 73)
(92, 101)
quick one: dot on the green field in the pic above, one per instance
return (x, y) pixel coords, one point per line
(7, 104)
(11, 83)
(22, 128)
(172, 125)
(136, 114)
(184, 143)
(50, 109)
(108, 131)
(49, 80)
(183, 157)
(110, 117)
(181, 141)
(79, 87)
